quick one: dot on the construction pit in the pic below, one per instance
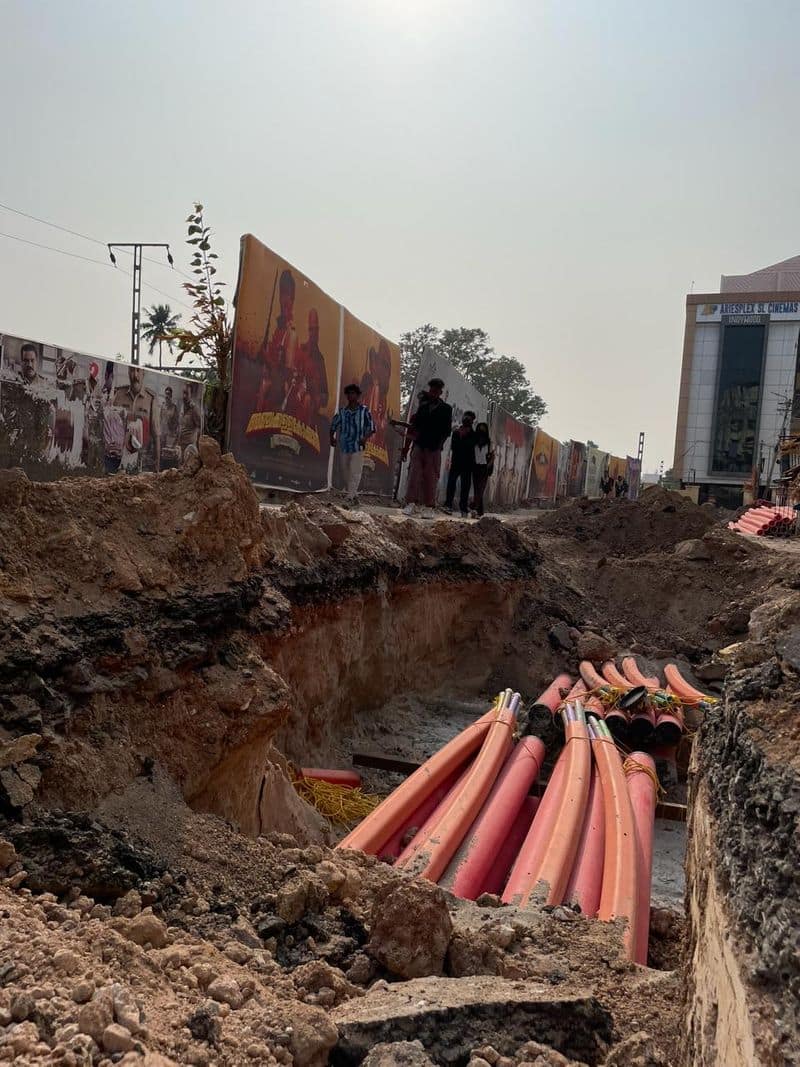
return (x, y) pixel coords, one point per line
(173, 652)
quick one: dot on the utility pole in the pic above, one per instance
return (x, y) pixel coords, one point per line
(136, 313)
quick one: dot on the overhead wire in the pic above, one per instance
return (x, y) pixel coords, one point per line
(86, 237)
(99, 262)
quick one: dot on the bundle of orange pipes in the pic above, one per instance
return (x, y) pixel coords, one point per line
(466, 820)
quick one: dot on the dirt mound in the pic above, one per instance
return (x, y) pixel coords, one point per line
(656, 522)
(205, 946)
(80, 541)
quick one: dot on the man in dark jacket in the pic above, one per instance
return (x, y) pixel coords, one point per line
(462, 463)
(430, 427)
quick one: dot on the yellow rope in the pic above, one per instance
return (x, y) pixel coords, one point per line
(632, 766)
(337, 803)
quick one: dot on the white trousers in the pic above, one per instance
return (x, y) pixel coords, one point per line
(352, 468)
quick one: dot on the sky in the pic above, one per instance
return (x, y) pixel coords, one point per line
(559, 173)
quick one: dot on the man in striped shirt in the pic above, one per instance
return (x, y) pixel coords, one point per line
(351, 428)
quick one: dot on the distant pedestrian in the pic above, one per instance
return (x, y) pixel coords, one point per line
(484, 465)
(462, 463)
(431, 424)
(618, 486)
(351, 428)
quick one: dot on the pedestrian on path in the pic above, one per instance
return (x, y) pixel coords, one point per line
(431, 425)
(351, 428)
(462, 463)
(484, 465)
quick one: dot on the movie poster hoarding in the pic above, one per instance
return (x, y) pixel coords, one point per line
(372, 363)
(617, 466)
(285, 372)
(576, 471)
(596, 467)
(461, 395)
(65, 412)
(633, 476)
(563, 469)
(512, 442)
(544, 467)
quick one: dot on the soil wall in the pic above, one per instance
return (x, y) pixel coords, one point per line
(743, 871)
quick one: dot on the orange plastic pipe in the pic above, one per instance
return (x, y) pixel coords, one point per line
(469, 867)
(351, 779)
(586, 880)
(620, 891)
(590, 676)
(579, 691)
(433, 818)
(613, 677)
(681, 687)
(535, 843)
(670, 723)
(509, 850)
(640, 769)
(547, 862)
(554, 694)
(559, 858)
(435, 852)
(391, 814)
(635, 676)
(394, 846)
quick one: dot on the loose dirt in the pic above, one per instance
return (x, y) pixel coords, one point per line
(168, 646)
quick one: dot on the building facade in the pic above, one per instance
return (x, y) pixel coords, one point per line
(738, 382)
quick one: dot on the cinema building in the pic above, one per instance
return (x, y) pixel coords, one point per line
(736, 409)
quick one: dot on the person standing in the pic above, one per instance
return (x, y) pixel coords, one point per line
(431, 425)
(462, 463)
(484, 464)
(351, 428)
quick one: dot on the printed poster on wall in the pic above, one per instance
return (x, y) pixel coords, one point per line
(65, 412)
(544, 467)
(633, 476)
(512, 442)
(285, 372)
(460, 394)
(563, 469)
(617, 465)
(372, 363)
(596, 466)
(576, 475)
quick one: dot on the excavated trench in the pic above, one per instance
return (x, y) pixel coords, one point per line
(221, 644)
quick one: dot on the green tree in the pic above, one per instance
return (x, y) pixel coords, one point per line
(502, 379)
(210, 332)
(159, 328)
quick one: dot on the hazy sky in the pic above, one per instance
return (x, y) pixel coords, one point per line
(558, 173)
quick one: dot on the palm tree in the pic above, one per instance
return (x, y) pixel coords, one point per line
(159, 326)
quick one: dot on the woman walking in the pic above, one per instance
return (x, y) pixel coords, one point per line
(484, 464)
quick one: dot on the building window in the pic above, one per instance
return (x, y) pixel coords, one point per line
(738, 393)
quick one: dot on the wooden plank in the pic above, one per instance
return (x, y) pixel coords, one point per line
(384, 763)
(673, 812)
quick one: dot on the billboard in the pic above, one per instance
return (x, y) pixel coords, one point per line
(462, 396)
(372, 362)
(65, 412)
(617, 465)
(576, 469)
(512, 442)
(596, 467)
(633, 476)
(563, 469)
(285, 372)
(544, 467)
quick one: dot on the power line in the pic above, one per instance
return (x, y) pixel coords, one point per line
(99, 262)
(83, 236)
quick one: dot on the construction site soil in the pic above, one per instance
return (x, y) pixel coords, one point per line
(170, 650)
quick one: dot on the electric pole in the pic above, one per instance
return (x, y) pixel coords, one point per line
(136, 313)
